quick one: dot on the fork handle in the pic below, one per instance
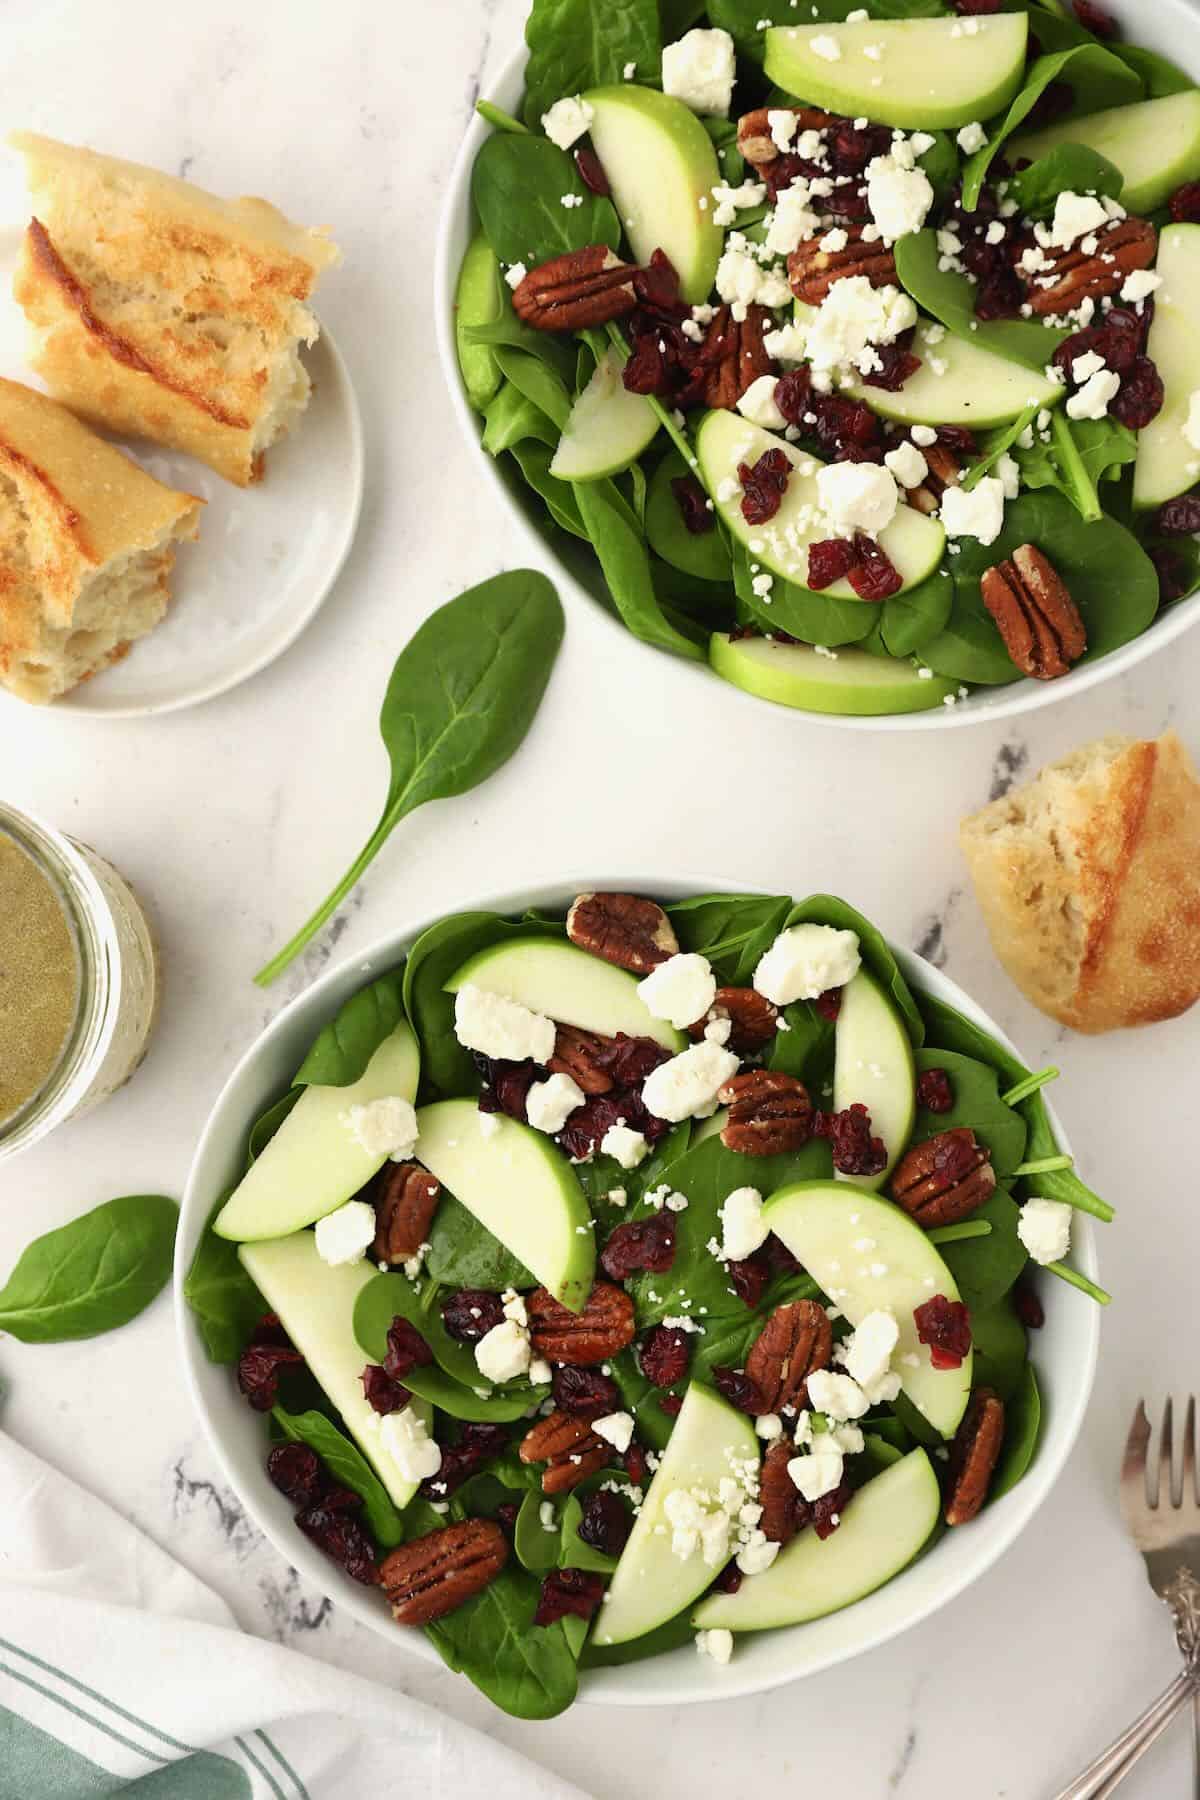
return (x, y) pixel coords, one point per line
(1100, 1778)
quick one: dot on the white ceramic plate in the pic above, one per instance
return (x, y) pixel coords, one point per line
(1168, 26)
(266, 556)
(1065, 1356)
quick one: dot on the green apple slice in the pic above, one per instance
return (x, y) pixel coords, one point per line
(848, 681)
(567, 985)
(478, 300)
(650, 1583)
(608, 427)
(882, 1529)
(660, 165)
(1154, 143)
(315, 1304)
(841, 1235)
(957, 384)
(930, 74)
(1167, 460)
(519, 1186)
(913, 542)
(873, 1063)
(314, 1162)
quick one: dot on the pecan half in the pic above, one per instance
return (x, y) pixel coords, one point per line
(1034, 614)
(734, 355)
(778, 1495)
(812, 271)
(569, 1448)
(795, 1341)
(769, 1112)
(753, 1020)
(754, 139)
(943, 470)
(430, 1576)
(944, 1179)
(577, 1054)
(406, 1199)
(600, 1331)
(1071, 276)
(635, 934)
(582, 288)
(973, 1456)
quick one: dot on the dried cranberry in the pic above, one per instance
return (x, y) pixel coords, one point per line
(748, 1277)
(999, 295)
(780, 1260)
(945, 1326)
(477, 1444)
(829, 1004)
(664, 1355)
(829, 560)
(1117, 341)
(827, 1512)
(506, 1518)
(855, 1151)
(591, 170)
(587, 1126)
(693, 505)
(975, 9)
(763, 486)
(1095, 18)
(1185, 204)
(635, 1464)
(584, 1392)
(342, 1538)
(647, 370)
(1028, 1307)
(850, 147)
(671, 1404)
(874, 575)
(736, 1387)
(471, 1313)
(1179, 518)
(896, 364)
(605, 1523)
(1174, 573)
(1139, 400)
(506, 1086)
(1057, 98)
(628, 1060)
(657, 285)
(793, 393)
(258, 1372)
(383, 1394)
(406, 1349)
(958, 438)
(568, 1591)
(848, 200)
(729, 1580)
(934, 1091)
(640, 1244)
(297, 1472)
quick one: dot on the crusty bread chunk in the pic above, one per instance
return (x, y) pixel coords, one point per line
(1089, 881)
(162, 311)
(87, 542)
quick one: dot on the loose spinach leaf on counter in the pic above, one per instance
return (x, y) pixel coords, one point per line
(462, 695)
(517, 186)
(529, 1671)
(578, 44)
(1068, 168)
(346, 1045)
(226, 1303)
(348, 1466)
(92, 1275)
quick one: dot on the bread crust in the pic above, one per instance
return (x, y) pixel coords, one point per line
(1089, 883)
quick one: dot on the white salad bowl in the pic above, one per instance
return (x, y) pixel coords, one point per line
(1168, 26)
(1066, 1351)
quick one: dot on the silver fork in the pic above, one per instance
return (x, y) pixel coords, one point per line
(1162, 1512)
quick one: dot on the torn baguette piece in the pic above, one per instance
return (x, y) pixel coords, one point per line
(160, 311)
(87, 543)
(1089, 882)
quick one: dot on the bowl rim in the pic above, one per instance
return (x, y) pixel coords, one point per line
(983, 706)
(606, 1686)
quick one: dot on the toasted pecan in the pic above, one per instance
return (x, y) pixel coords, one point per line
(431, 1575)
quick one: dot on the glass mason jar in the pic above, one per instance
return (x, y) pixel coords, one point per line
(117, 981)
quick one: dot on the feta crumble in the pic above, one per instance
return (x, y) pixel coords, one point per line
(742, 1228)
(416, 1455)
(716, 1644)
(805, 961)
(501, 1028)
(686, 1085)
(384, 1127)
(978, 513)
(628, 1147)
(682, 988)
(345, 1235)
(616, 1429)
(1044, 1227)
(549, 1104)
(699, 69)
(567, 121)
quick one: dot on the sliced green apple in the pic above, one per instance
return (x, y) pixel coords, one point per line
(868, 1256)
(1154, 143)
(1167, 461)
(478, 300)
(660, 165)
(929, 74)
(519, 1186)
(957, 383)
(913, 542)
(567, 985)
(608, 427)
(315, 1304)
(650, 1583)
(848, 682)
(882, 1529)
(314, 1162)
(873, 1064)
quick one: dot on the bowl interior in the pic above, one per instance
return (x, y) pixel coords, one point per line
(1066, 1356)
(1170, 27)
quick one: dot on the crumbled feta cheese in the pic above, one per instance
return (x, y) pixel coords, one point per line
(848, 1438)
(742, 281)
(972, 138)
(899, 197)
(501, 1028)
(686, 1085)
(730, 199)
(758, 404)
(1044, 1227)
(851, 321)
(629, 71)
(1008, 473)
(782, 123)
(547, 1516)
(867, 1353)
(404, 1437)
(1092, 400)
(1074, 216)
(827, 48)
(1140, 284)
(627, 1146)
(837, 1396)
(978, 513)
(768, 1426)
(343, 1236)
(792, 221)
(785, 345)
(924, 435)
(540, 1372)
(384, 1127)
(515, 275)
(857, 497)
(742, 1228)
(549, 1104)
(805, 961)
(616, 1429)
(503, 1352)
(1085, 366)
(566, 121)
(817, 1472)
(716, 1644)
(699, 69)
(757, 1555)
(907, 465)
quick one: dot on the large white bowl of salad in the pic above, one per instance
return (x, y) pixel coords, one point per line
(614, 1272)
(846, 353)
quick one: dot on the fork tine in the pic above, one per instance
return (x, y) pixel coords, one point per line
(1191, 1492)
(1133, 1467)
(1164, 1486)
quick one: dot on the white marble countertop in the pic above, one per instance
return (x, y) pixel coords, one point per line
(234, 818)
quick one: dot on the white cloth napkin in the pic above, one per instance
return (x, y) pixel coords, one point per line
(120, 1673)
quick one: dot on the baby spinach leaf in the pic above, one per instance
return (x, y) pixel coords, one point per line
(92, 1275)
(349, 1468)
(1158, 75)
(508, 330)
(268, 1123)
(578, 44)
(876, 952)
(462, 695)
(499, 1407)
(732, 930)
(806, 1048)
(511, 418)
(746, 22)
(951, 299)
(529, 1671)
(447, 1070)
(537, 381)
(996, 443)
(220, 1293)
(970, 648)
(453, 1380)
(877, 1455)
(909, 621)
(536, 1548)
(641, 1398)
(604, 1175)
(977, 1103)
(1076, 457)
(678, 16)
(621, 549)
(464, 1254)
(986, 1267)
(1022, 1427)
(705, 557)
(1068, 168)
(671, 1636)
(533, 460)
(573, 1552)
(518, 184)
(1001, 1351)
(346, 1045)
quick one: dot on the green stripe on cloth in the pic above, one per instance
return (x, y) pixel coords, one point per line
(101, 1699)
(261, 1767)
(301, 1791)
